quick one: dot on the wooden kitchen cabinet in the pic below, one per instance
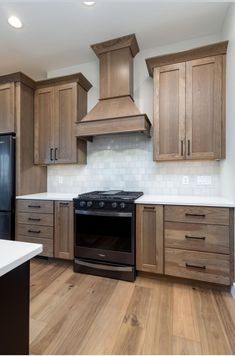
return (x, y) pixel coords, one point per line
(149, 238)
(189, 104)
(7, 108)
(64, 230)
(59, 104)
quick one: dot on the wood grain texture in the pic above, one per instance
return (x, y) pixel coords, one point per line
(169, 120)
(64, 230)
(81, 314)
(203, 266)
(116, 44)
(47, 244)
(35, 219)
(18, 77)
(197, 237)
(77, 77)
(204, 108)
(29, 178)
(194, 214)
(36, 231)
(32, 206)
(214, 49)
(7, 108)
(149, 238)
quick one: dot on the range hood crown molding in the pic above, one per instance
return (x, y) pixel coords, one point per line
(116, 111)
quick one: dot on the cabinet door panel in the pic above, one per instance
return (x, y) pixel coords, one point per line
(149, 238)
(7, 108)
(65, 117)
(169, 119)
(64, 232)
(44, 126)
(204, 108)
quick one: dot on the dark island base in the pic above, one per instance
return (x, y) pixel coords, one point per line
(14, 311)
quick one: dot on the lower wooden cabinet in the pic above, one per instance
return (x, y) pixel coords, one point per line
(185, 241)
(64, 230)
(149, 238)
(49, 223)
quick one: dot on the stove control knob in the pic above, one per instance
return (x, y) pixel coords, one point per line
(89, 204)
(122, 205)
(101, 204)
(82, 203)
(114, 205)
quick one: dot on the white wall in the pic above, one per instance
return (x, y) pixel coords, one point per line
(228, 165)
(125, 161)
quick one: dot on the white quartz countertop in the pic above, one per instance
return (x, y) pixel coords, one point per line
(15, 253)
(49, 196)
(185, 200)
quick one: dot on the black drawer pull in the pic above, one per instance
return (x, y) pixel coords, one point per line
(195, 237)
(34, 206)
(34, 232)
(188, 265)
(149, 208)
(195, 215)
(65, 204)
(34, 219)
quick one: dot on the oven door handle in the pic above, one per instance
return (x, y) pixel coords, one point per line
(102, 213)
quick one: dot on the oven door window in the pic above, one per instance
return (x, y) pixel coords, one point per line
(104, 232)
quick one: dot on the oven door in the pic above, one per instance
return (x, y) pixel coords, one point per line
(105, 236)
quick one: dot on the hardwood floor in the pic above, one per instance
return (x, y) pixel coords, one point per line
(73, 313)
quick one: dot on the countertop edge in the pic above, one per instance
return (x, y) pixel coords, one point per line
(19, 261)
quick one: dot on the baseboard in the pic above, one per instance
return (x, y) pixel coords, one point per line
(233, 290)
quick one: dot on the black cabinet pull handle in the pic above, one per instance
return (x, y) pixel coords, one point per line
(34, 232)
(65, 204)
(149, 208)
(34, 206)
(56, 150)
(51, 154)
(195, 237)
(196, 215)
(182, 147)
(34, 219)
(188, 265)
(188, 147)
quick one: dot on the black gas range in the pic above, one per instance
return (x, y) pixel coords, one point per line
(105, 233)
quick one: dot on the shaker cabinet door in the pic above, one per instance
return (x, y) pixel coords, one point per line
(64, 230)
(204, 108)
(44, 126)
(7, 108)
(65, 118)
(149, 238)
(169, 112)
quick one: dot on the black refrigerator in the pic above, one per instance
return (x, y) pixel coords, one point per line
(7, 186)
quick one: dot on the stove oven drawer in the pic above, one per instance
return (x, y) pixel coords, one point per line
(105, 255)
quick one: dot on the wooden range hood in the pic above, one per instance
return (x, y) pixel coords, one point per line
(116, 111)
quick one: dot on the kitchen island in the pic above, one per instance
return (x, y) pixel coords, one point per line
(14, 297)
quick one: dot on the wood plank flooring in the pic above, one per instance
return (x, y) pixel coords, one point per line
(73, 313)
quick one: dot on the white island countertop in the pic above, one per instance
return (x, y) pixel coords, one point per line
(15, 253)
(49, 196)
(185, 200)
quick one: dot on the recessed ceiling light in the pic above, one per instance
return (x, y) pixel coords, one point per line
(89, 3)
(15, 22)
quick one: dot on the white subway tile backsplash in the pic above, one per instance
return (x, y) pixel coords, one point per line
(126, 162)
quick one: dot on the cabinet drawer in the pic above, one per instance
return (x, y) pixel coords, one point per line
(35, 219)
(36, 231)
(194, 214)
(35, 206)
(47, 244)
(199, 237)
(202, 266)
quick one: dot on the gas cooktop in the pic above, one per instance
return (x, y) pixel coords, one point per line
(111, 195)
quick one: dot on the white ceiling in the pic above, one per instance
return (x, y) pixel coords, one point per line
(58, 33)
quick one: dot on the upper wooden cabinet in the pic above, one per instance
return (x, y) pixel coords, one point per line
(189, 104)
(7, 107)
(59, 104)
